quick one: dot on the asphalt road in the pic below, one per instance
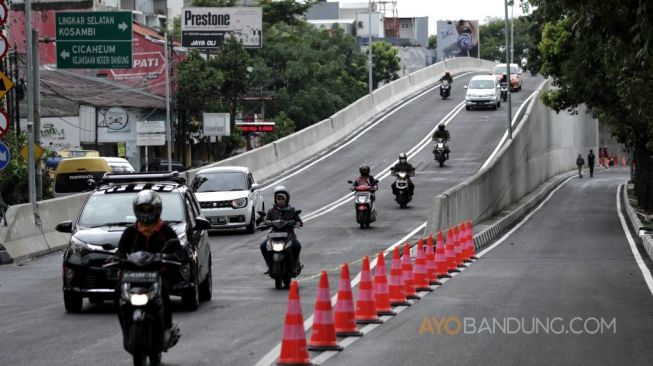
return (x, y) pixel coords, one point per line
(244, 320)
(562, 289)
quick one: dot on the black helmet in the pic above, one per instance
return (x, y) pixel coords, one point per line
(441, 127)
(364, 170)
(281, 191)
(147, 207)
(403, 158)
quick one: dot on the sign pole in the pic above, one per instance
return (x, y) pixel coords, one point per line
(38, 178)
(30, 102)
(168, 126)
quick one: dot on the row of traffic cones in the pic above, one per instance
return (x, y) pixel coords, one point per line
(376, 295)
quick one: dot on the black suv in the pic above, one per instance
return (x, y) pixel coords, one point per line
(107, 212)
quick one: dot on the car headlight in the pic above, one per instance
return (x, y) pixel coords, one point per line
(78, 247)
(239, 203)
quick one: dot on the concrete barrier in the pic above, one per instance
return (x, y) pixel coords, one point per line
(544, 145)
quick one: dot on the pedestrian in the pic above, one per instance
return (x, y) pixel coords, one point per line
(590, 162)
(580, 162)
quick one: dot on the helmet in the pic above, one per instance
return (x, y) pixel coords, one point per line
(403, 158)
(281, 191)
(147, 207)
(446, 72)
(441, 127)
(364, 170)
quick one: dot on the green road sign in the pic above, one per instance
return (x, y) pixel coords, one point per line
(94, 40)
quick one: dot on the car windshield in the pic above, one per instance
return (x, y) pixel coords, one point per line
(498, 70)
(103, 209)
(223, 181)
(481, 84)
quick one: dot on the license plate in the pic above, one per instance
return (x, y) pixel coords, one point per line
(277, 235)
(139, 277)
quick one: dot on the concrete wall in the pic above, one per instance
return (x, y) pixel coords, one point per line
(544, 144)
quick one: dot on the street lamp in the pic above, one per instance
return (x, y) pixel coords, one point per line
(166, 65)
(508, 72)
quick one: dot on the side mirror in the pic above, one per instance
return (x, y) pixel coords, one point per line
(202, 223)
(65, 227)
(350, 181)
(255, 186)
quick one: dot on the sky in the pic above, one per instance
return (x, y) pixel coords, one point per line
(449, 9)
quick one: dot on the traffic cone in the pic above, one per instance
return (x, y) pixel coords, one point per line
(293, 344)
(623, 161)
(431, 268)
(419, 274)
(450, 252)
(366, 305)
(323, 335)
(407, 269)
(472, 250)
(466, 240)
(345, 321)
(381, 293)
(441, 263)
(396, 281)
(459, 239)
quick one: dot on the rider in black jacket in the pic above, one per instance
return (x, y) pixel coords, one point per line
(403, 166)
(281, 210)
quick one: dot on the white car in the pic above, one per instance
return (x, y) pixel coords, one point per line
(229, 197)
(483, 91)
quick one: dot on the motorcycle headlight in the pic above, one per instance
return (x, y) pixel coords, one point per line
(278, 247)
(138, 299)
(360, 199)
(78, 247)
(239, 203)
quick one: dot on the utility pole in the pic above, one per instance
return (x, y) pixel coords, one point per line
(508, 72)
(168, 127)
(30, 102)
(38, 178)
(369, 46)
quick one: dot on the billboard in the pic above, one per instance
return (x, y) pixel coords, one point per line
(457, 38)
(208, 27)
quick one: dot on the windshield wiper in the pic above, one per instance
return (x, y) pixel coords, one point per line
(237, 189)
(120, 223)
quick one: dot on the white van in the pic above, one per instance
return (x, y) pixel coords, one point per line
(483, 91)
(119, 165)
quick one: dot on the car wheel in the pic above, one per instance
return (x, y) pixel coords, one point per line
(494, 106)
(467, 107)
(206, 288)
(73, 302)
(251, 227)
(191, 298)
(498, 104)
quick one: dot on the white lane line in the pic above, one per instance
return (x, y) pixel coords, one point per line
(512, 123)
(633, 247)
(272, 356)
(482, 253)
(359, 134)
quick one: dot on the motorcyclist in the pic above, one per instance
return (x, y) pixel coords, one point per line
(150, 233)
(447, 77)
(281, 210)
(442, 133)
(403, 166)
(366, 179)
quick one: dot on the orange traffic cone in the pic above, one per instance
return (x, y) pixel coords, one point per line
(459, 239)
(431, 268)
(420, 274)
(381, 293)
(323, 335)
(407, 269)
(396, 281)
(450, 252)
(441, 263)
(472, 250)
(366, 305)
(293, 344)
(345, 321)
(467, 248)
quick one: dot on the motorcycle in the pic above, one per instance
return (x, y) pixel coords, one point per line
(445, 89)
(365, 211)
(440, 151)
(504, 91)
(141, 305)
(279, 241)
(402, 195)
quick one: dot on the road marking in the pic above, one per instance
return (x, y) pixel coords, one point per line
(272, 356)
(633, 247)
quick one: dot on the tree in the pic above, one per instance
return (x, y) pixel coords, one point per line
(585, 45)
(493, 38)
(433, 41)
(385, 61)
(289, 12)
(283, 126)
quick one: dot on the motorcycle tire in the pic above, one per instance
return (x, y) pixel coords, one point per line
(278, 276)
(286, 281)
(441, 163)
(155, 358)
(140, 359)
(137, 337)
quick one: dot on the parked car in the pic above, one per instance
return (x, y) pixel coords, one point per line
(105, 214)
(75, 175)
(229, 196)
(119, 165)
(483, 91)
(515, 75)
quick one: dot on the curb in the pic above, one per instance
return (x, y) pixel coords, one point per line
(631, 215)
(525, 205)
(5, 258)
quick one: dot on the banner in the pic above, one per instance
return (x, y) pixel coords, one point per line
(457, 39)
(208, 27)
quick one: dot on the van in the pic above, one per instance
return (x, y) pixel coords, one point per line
(119, 165)
(72, 175)
(483, 91)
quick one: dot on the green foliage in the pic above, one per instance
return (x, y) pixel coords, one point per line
(13, 178)
(433, 41)
(284, 126)
(289, 12)
(385, 60)
(493, 38)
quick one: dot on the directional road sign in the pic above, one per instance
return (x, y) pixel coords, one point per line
(3, 13)
(4, 123)
(5, 84)
(5, 155)
(94, 40)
